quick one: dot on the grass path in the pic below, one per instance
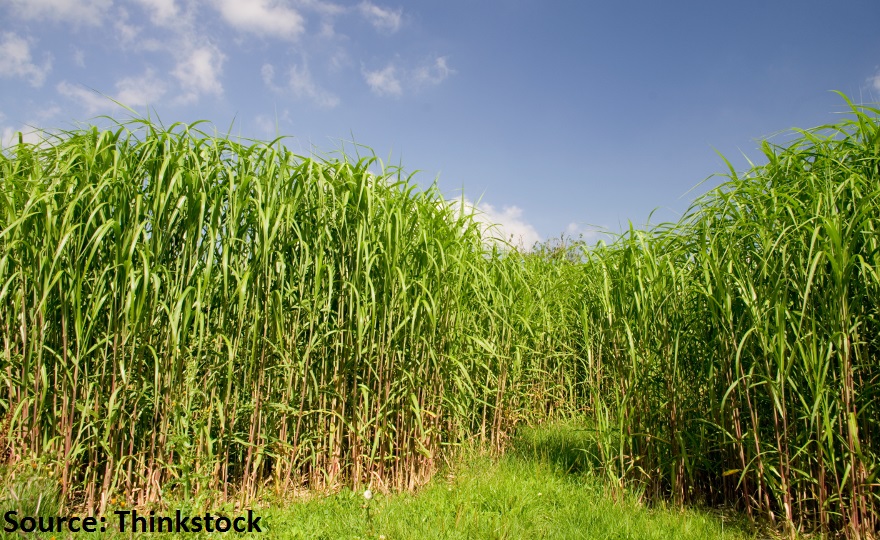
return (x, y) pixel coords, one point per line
(507, 499)
(539, 490)
(542, 488)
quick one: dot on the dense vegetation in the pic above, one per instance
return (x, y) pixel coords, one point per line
(182, 312)
(734, 355)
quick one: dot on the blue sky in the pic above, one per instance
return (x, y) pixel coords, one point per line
(556, 116)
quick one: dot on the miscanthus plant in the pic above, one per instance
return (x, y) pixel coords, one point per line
(734, 355)
(183, 312)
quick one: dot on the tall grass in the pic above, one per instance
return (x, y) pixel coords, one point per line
(185, 312)
(734, 355)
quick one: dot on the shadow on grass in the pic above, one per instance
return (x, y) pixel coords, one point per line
(571, 450)
(569, 447)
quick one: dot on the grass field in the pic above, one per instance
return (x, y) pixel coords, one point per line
(188, 317)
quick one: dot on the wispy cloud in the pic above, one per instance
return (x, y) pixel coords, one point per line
(262, 17)
(16, 60)
(126, 33)
(266, 125)
(433, 73)
(384, 82)
(146, 89)
(162, 12)
(198, 62)
(272, 125)
(88, 99)
(584, 231)
(391, 80)
(79, 58)
(301, 84)
(87, 12)
(339, 60)
(138, 91)
(573, 228)
(384, 20)
(322, 7)
(182, 21)
(875, 81)
(268, 74)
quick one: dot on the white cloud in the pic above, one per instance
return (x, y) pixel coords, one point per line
(506, 224)
(16, 61)
(162, 12)
(510, 224)
(198, 72)
(89, 12)
(302, 85)
(140, 91)
(9, 136)
(434, 73)
(262, 17)
(384, 81)
(383, 19)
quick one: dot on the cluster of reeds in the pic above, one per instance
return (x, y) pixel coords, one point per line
(735, 356)
(184, 312)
